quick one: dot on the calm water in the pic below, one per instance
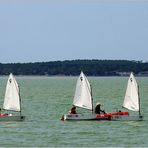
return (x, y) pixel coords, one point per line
(45, 99)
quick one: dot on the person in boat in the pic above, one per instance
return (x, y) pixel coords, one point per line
(98, 109)
(73, 110)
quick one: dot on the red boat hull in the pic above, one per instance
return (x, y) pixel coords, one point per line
(108, 116)
(3, 115)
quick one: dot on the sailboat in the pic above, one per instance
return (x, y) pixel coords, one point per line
(82, 99)
(12, 101)
(131, 102)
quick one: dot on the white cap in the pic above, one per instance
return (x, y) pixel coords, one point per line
(98, 103)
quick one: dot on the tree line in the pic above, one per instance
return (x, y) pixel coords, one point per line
(73, 67)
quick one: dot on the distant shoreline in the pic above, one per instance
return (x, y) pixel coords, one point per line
(73, 67)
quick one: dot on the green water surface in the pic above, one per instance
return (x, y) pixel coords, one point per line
(45, 99)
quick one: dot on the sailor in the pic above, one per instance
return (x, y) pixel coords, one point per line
(98, 108)
(73, 110)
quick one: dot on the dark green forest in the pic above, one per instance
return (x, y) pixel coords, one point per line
(73, 67)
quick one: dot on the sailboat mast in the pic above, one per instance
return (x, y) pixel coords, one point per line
(139, 101)
(19, 96)
(20, 101)
(90, 89)
(91, 97)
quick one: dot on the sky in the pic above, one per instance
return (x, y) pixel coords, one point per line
(51, 30)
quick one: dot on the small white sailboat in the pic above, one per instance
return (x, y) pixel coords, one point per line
(12, 101)
(131, 101)
(83, 99)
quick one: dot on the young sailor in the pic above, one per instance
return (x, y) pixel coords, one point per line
(73, 110)
(98, 108)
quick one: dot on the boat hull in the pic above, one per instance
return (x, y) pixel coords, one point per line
(107, 116)
(126, 118)
(115, 116)
(119, 116)
(78, 117)
(12, 118)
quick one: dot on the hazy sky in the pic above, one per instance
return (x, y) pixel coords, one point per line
(50, 30)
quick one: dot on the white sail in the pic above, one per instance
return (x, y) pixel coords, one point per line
(12, 98)
(83, 96)
(131, 100)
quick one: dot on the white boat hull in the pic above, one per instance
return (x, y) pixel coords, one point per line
(12, 118)
(79, 117)
(127, 118)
